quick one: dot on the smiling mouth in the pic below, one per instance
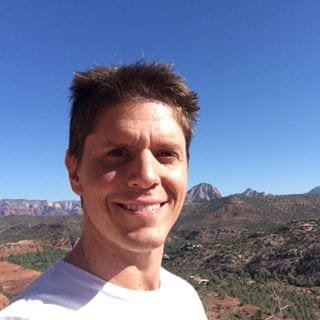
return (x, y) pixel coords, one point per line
(142, 208)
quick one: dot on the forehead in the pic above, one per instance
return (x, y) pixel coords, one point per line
(144, 111)
(139, 119)
(140, 104)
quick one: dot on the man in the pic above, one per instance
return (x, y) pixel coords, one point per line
(130, 132)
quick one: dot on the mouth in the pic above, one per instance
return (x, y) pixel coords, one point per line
(142, 208)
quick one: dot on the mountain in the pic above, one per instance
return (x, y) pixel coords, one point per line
(202, 193)
(253, 193)
(314, 191)
(20, 207)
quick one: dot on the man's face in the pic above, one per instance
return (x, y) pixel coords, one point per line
(132, 176)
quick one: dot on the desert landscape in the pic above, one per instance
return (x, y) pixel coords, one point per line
(250, 256)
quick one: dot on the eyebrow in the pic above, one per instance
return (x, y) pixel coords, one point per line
(111, 144)
(167, 144)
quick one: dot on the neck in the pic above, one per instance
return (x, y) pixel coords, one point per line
(132, 270)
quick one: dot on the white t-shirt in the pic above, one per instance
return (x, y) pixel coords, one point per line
(65, 292)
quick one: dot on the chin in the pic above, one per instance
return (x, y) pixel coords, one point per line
(146, 242)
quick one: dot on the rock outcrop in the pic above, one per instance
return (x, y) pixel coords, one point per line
(253, 193)
(201, 193)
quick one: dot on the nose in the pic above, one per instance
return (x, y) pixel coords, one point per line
(144, 171)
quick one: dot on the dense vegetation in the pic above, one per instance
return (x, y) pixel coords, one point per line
(38, 260)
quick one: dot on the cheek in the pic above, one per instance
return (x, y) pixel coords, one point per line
(98, 181)
(178, 181)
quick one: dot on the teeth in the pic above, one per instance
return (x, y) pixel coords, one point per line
(142, 208)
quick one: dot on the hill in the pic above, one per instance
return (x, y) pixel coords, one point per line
(234, 214)
(263, 250)
(49, 228)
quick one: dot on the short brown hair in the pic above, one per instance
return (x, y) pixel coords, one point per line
(94, 90)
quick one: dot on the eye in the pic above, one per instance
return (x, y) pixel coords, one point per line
(167, 156)
(166, 153)
(118, 153)
(117, 156)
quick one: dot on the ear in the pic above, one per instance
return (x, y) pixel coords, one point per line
(72, 165)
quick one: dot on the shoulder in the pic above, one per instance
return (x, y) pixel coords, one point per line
(48, 281)
(60, 289)
(28, 302)
(61, 280)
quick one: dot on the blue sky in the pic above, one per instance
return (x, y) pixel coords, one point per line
(255, 65)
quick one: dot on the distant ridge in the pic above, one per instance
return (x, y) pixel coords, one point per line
(199, 194)
(202, 192)
(19, 207)
(314, 191)
(253, 193)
